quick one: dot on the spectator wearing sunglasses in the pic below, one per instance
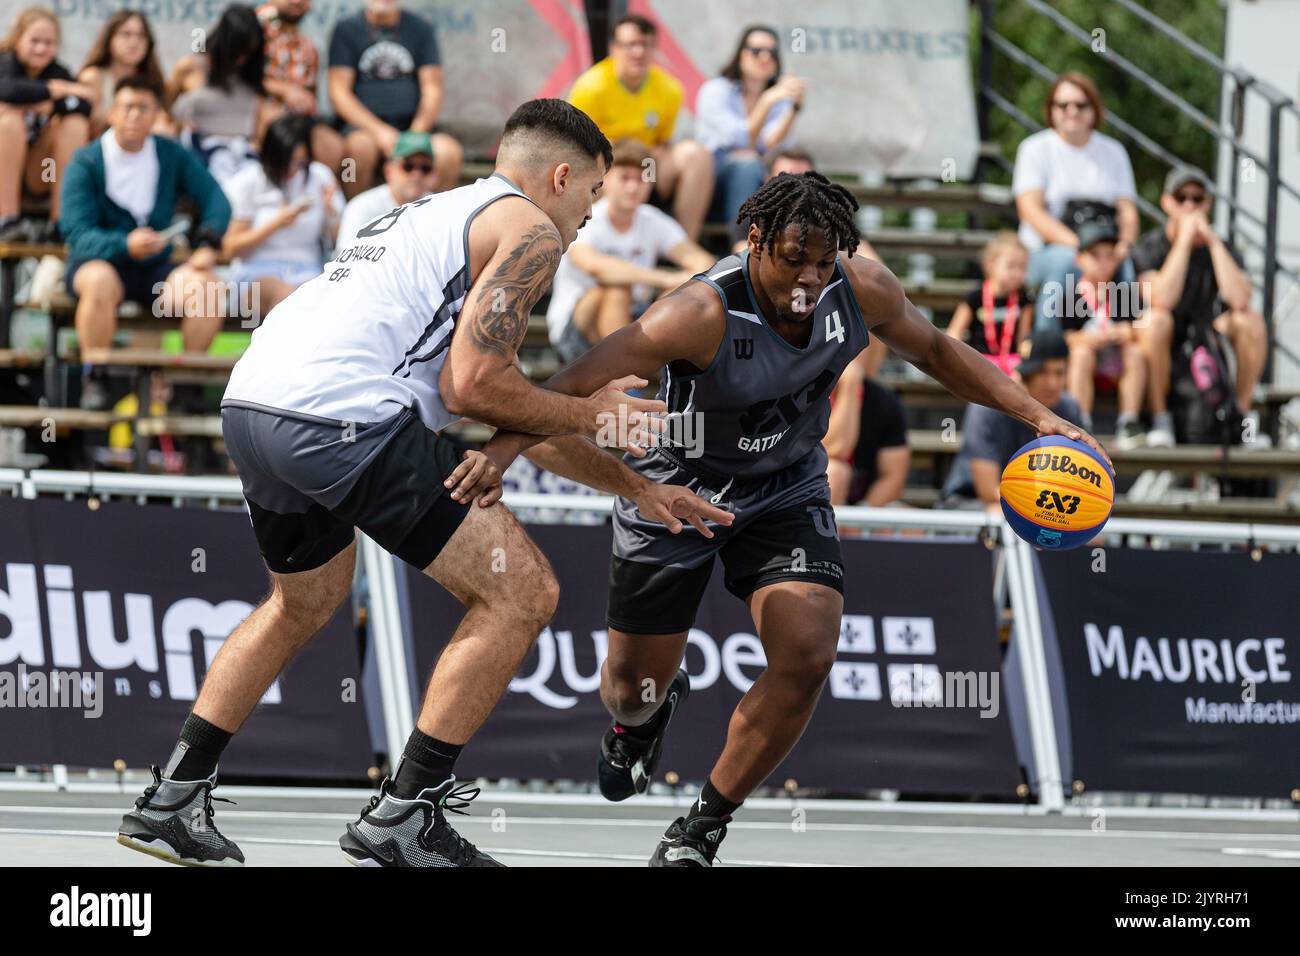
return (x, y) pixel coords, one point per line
(742, 115)
(408, 175)
(1193, 276)
(1065, 175)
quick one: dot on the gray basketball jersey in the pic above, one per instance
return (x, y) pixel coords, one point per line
(762, 405)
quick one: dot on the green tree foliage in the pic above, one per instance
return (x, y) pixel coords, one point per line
(1128, 36)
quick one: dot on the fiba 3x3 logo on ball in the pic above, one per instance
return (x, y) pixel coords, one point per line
(1057, 493)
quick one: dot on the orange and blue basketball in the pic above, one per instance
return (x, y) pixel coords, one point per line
(1057, 493)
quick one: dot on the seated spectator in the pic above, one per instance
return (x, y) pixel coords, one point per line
(292, 66)
(43, 116)
(866, 441)
(1064, 176)
(408, 175)
(995, 318)
(1099, 330)
(629, 97)
(989, 438)
(125, 47)
(1193, 276)
(118, 192)
(741, 116)
(281, 212)
(608, 275)
(385, 77)
(223, 99)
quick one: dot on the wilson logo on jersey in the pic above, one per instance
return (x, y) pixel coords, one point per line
(744, 348)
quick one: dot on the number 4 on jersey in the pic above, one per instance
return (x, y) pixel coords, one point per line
(834, 328)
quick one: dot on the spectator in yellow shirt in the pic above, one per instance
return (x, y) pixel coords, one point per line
(629, 97)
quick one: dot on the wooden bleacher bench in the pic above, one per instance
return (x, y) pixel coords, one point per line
(15, 358)
(35, 416)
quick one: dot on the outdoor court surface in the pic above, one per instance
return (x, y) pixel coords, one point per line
(277, 827)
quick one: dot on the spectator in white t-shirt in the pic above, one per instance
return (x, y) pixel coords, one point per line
(1068, 163)
(741, 115)
(283, 210)
(409, 174)
(609, 275)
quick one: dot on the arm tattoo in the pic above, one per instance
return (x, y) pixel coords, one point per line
(504, 302)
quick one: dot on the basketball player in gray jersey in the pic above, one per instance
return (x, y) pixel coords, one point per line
(750, 350)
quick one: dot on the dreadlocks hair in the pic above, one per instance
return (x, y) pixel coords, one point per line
(808, 199)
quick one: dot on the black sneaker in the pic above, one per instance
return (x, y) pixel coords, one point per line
(628, 762)
(691, 844)
(94, 394)
(172, 820)
(396, 832)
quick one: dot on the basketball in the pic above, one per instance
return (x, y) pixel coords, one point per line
(1057, 493)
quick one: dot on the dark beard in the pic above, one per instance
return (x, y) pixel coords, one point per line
(289, 18)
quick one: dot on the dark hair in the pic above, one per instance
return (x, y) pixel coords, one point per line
(732, 70)
(644, 24)
(138, 81)
(237, 34)
(561, 121)
(1090, 93)
(808, 199)
(283, 136)
(101, 51)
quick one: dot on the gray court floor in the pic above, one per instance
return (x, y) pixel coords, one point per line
(41, 827)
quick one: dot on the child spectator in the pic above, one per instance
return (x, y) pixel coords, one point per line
(995, 318)
(1099, 330)
(989, 438)
(608, 276)
(385, 76)
(742, 115)
(281, 211)
(43, 116)
(125, 47)
(629, 97)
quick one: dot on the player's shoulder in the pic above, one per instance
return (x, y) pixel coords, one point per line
(877, 288)
(687, 323)
(513, 223)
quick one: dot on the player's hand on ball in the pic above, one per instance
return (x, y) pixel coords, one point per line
(1051, 424)
(670, 505)
(477, 478)
(624, 421)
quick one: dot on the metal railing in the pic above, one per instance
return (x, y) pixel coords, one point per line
(1233, 135)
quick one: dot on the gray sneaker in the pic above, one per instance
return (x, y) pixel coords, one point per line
(172, 821)
(396, 832)
(1129, 436)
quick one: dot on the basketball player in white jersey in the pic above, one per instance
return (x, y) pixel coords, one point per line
(332, 418)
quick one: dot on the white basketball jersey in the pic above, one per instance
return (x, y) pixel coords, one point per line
(368, 336)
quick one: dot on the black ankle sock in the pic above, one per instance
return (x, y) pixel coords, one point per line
(644, 731)
(426, 762)
(198, 750)
(711, 803)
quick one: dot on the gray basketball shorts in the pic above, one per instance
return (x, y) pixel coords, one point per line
(309, 482)
(784, 530)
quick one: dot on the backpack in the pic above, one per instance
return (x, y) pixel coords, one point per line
(1201, 397)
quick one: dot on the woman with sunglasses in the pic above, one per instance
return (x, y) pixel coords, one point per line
(1064, 175)
(282, 211)
(742, 115)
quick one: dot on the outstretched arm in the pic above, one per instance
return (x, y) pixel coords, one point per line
(481, 378)
(955, 365)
